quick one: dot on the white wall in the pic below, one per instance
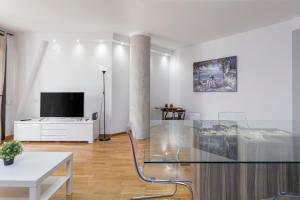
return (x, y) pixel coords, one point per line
(67, 66)
(10, 85)
(159, 84)
(296, 75)
(264, 74)
(120, 88)
(296, 81)
(71, 66)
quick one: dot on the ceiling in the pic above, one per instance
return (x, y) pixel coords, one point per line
(173, 23)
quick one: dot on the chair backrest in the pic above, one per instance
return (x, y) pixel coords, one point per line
(131, 134)
(192, 116)
(239, 118)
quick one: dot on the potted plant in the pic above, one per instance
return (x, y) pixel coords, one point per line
(9, 150)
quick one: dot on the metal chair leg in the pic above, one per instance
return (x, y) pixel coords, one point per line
(188, 186)
(284, 194)
(288, 194)
(156, 195)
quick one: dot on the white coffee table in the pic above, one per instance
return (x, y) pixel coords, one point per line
(34, 170)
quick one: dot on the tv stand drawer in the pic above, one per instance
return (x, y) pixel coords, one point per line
(55, 126)
(28, 132)
(54, 130)
(54, 138)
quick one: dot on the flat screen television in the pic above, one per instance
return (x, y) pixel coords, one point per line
(62, 104)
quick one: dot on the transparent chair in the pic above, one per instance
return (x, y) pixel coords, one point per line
(192, 116)
(172, 174)
(239, 118)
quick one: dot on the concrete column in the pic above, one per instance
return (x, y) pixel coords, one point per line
(139, 84)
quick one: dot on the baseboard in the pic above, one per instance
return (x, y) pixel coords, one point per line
(113, 134)
(9, 137)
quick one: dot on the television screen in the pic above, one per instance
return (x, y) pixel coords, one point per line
(63, 104)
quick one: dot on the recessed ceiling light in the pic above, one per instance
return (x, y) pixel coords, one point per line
(54, 41)
(77, 41)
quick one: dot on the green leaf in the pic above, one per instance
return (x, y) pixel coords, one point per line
(11, 149)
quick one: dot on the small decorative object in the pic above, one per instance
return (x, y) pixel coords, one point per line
(219, 75)
(95, 116)
(166, 105)
(9, 150)
(171, 105)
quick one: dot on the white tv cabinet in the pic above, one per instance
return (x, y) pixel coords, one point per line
(55, 129)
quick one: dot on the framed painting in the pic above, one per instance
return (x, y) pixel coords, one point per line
(218, 75)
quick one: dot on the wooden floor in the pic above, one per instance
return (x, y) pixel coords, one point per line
(103, 171)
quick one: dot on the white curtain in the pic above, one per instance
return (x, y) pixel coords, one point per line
(2, 72)
(10, 84)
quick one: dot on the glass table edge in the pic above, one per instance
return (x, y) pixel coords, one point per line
(220, 162)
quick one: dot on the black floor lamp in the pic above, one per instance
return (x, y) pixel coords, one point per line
(104, 138)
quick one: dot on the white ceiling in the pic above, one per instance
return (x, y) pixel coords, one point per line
(173, 23)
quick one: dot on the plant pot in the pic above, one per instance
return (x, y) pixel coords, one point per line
(8, 162)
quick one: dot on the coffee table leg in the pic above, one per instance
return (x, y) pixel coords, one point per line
(70, 175)
(34, 193)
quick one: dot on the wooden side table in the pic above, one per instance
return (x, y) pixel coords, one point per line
(173, 110)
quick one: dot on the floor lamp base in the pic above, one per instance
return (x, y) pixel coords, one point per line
(104, 139)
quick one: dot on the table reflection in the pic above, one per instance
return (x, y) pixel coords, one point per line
(221, 141)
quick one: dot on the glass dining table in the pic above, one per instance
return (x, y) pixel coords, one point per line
(227, 160)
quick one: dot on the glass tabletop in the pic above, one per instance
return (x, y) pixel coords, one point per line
(181, 141)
